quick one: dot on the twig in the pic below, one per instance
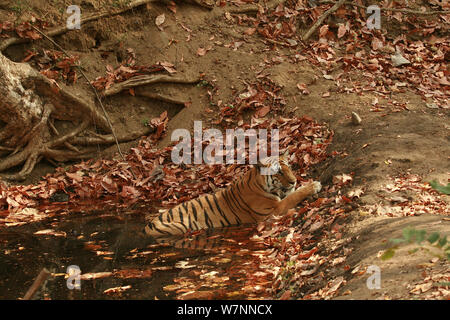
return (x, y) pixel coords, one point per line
(322, 18)
(104, 139)
(389, 9)
(68, 136)
(67, 144)
(144, 80)
(43, 275)
(284, 44)
(93, 88)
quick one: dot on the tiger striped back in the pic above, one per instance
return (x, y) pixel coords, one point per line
(252, 198)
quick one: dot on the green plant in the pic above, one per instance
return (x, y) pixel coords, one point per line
(411, 235)
(18, 7)
(116, 3)
(440, 188)
(146, 122)
(204, 83)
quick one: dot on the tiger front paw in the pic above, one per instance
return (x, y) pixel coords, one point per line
(317, 186)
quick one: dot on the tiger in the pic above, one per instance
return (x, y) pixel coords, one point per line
(252, 198)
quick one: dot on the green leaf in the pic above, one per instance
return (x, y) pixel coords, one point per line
(397, 241)
(408, 233)
(389, 253)
(420, 236)
(433, 237)
(440, 188)
(442, 242)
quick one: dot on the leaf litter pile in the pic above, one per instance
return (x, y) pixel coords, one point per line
(409, 196)
(346, 47)
(160, 182)
(158, 179)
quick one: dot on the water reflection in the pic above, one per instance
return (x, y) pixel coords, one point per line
(118, 261)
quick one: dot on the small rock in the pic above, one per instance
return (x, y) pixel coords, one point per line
(356, 119)
(398, 199)
(432, 106)
(59, 196)
(292, 42)
(399, 60)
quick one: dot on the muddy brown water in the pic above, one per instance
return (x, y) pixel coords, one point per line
(222, 264)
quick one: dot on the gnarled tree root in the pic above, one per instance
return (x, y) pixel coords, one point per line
(41, 145)
(145, 80)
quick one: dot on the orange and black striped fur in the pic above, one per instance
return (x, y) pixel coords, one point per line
(252, 198)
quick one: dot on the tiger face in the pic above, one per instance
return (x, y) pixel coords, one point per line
(281, 181)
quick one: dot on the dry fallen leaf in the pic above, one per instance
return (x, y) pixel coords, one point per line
(250, 31)
(342, 179)
(117, 289)
(95, 275)
(338, 260)
(356, 193)
(336, 284)
(303, 88)
(323, 31)
(421, 288)
(341, 30)
(201, 51)
(172, 287)
(286, 295)
(51, 232)
(77, 176)
(169, 67)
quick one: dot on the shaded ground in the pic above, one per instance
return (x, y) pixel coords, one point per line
(403, 136)
(412, 273)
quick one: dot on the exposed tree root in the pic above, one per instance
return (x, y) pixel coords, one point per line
(108, 139)
(158, 96)
(95, 91)
(144, 80)
(64, 139)
(41, 146)
(60, 96)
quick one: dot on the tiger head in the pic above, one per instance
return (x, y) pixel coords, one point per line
(277, 176)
